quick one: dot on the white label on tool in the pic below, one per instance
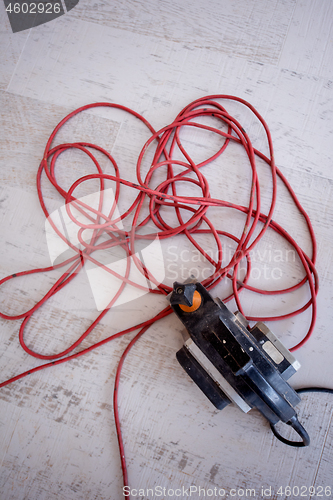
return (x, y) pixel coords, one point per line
(272, 352)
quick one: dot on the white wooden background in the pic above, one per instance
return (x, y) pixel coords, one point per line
(57, 433)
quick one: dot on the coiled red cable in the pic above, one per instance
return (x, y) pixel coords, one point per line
(168, 141)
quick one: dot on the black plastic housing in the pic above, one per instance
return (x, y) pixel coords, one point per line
(253, 362)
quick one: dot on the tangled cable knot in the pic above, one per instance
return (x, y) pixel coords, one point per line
(96, 230)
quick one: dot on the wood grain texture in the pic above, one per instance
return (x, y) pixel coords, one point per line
(11, 48)
(253, 30)
(56, 427)
(27, 125)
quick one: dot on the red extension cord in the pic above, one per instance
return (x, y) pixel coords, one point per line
(167, 140)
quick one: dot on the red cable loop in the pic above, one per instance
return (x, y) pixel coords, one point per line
(167, 140)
